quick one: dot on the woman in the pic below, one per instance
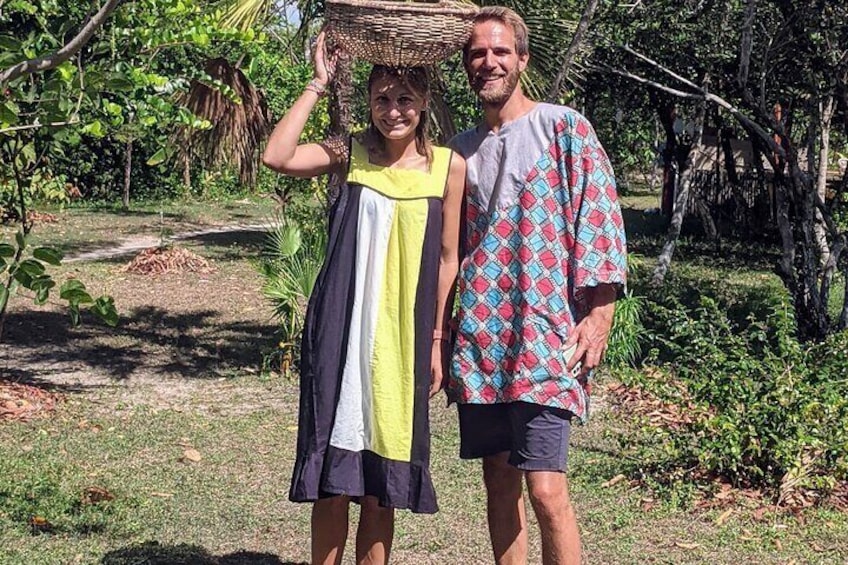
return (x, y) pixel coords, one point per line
(372, 351)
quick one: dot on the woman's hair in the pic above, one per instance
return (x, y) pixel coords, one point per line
(506, 17)
(416, 80)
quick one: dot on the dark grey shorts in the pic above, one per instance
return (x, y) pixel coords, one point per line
(536, 437)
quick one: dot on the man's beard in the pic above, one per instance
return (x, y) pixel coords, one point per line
(502, 94)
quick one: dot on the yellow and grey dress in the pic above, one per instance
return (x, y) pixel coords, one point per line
(365, 358)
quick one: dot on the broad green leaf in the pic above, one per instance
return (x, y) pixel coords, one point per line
(3, 265)
(23, 278)
(104, 308)
(66, 70)
(9, 43)
(20, 238)
(26, 156)
(9, 113)
(32, 267)
(118, 83)
(43, 282)
(4, 295)
(158, 157)
(6, 250)
(48, 255)
(41, 295)
(112, 108)
(95, 128)
(76, 297)
(200, 38)
(72, 284)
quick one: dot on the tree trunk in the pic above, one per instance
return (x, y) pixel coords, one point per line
(826, 109)
(843, 317)
(573, 49)
(684, 185)
(127, 174)
(810, 313)
(187, 172)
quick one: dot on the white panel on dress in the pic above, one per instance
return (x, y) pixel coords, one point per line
(352, 428)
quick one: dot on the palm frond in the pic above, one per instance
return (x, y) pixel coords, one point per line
(244, 14)
(239, 116)
(284, 241)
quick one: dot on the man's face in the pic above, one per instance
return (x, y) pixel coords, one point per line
(492, 63)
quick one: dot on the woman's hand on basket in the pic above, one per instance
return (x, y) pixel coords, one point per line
(323, 62)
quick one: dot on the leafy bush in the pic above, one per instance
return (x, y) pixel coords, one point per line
(774, 410)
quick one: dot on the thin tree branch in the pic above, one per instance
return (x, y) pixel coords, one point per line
(702, 93)
(36, 126)
(658, 86)
(571, 53)
(56, 58)
(662, 68)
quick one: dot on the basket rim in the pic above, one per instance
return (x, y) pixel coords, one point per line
(446, 7)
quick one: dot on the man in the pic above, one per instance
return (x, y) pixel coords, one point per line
(544, 260)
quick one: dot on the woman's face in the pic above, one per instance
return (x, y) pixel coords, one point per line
(395, 108)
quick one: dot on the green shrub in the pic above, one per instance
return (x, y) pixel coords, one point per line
(775, 410)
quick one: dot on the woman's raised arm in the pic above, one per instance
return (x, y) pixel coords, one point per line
(283, 153)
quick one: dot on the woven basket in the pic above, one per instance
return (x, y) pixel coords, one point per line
(399, 34)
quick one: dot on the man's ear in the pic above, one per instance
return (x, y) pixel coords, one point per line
(523, 61)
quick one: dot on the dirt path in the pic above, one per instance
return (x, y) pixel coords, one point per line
(134, 244)
(180, 334)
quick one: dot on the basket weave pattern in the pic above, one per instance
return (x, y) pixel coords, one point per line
(399, 34)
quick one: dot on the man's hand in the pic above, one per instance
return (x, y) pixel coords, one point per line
(592, 333)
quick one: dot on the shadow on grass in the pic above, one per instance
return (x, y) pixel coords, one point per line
(191, 345)
(230, 244)
(154, 553)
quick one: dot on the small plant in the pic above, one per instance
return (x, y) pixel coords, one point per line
(290, 265)
(624, 347)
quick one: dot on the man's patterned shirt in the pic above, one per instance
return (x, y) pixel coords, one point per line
(542, 223)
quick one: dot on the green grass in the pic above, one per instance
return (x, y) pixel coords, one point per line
(234, 498)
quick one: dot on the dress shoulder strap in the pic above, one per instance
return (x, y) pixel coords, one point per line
(440, 167)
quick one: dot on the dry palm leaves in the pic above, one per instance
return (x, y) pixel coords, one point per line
(239, 116)
(23, 402)
(37, 217)
(161, 260)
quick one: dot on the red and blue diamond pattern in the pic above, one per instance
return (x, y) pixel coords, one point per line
(520, 289)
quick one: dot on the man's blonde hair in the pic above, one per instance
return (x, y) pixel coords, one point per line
(509, 18)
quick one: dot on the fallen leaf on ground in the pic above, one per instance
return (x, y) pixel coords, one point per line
(192, 455)
(747, 535)
(723, 518)
(778, 545)
(760, 513)
(39, 524)
(687, 545)
(614, 481)
(93, 495)
(162, 494)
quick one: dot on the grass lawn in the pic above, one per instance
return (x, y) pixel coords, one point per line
(171, 445)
